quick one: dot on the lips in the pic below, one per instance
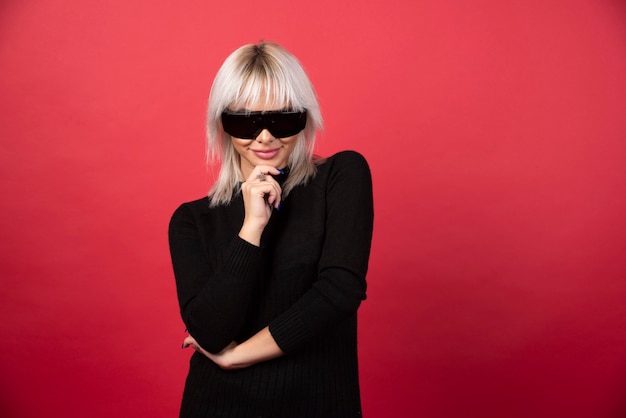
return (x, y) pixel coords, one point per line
(266, 154)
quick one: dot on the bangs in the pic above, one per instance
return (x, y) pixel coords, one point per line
(263, 83)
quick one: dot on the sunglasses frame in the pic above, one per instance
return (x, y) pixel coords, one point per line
(248, 125)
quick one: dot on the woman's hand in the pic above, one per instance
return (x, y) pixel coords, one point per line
(261, 193)
(221, 358)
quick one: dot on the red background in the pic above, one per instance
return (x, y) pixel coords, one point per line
(495, 132)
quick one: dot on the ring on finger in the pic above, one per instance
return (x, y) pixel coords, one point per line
(261, 177)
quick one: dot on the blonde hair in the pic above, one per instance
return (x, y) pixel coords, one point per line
(253, 74)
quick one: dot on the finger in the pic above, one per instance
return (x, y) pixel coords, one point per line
(272, 194)
(269, 191)
(188, 341)
(265, 171)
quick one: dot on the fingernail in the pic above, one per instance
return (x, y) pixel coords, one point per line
(280, 171)
(183, 346)
(186, 330)
(278, 207)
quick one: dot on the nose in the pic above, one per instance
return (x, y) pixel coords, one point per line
(265, 136)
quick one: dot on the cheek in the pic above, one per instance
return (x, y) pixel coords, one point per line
(239, 145)
(289, 147)
(289, 143)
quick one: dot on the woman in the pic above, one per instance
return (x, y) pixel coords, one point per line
(270, 268)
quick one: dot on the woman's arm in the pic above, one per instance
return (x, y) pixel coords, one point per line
(340, 285)
(214, 285)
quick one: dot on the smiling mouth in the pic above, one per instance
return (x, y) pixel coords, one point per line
(266, 154)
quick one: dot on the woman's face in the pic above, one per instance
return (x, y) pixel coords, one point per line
(264, 149)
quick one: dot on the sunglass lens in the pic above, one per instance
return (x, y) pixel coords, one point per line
(249, 125)
(285, 124)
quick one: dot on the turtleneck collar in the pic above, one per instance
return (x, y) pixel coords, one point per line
(281, 178)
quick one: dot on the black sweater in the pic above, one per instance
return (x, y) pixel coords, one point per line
(306, 282)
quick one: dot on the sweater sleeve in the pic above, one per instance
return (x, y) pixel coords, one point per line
(213, 295)
(340, 286)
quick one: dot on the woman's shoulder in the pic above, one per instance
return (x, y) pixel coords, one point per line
(343, 160)
(192, 208)
(342, 157)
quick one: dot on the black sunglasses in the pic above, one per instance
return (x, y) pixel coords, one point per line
(248, 125)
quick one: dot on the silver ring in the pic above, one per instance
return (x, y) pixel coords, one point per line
(261, 177)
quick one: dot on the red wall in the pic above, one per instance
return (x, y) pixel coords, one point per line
(495, 131)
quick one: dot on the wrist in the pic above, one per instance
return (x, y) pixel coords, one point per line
(251, 234)
(229, 359)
